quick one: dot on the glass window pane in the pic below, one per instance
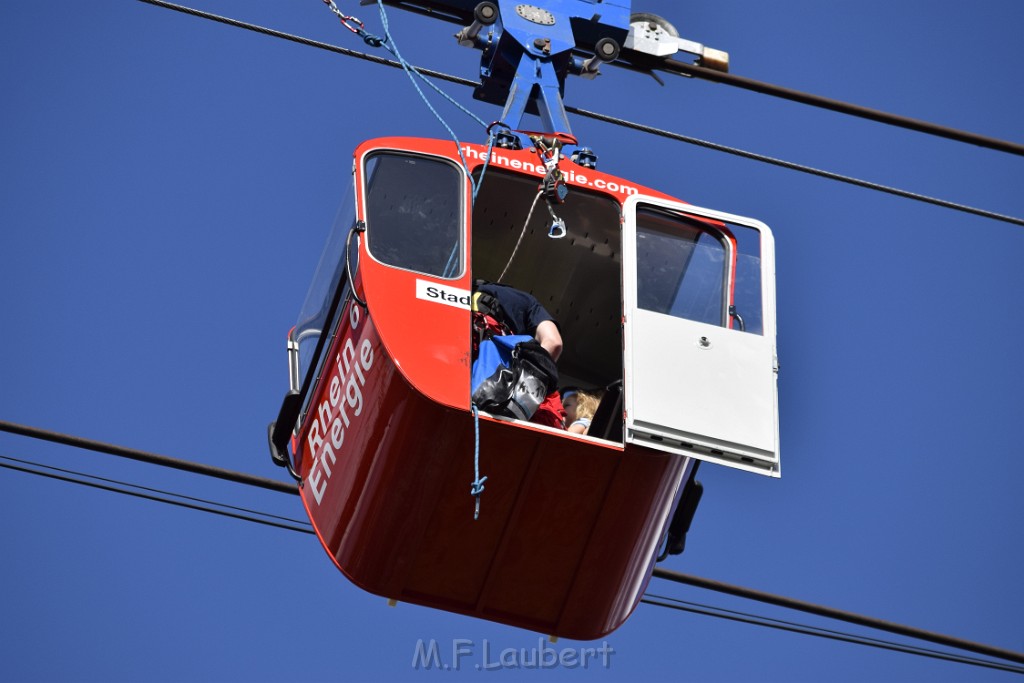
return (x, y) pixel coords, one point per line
(681, 268)
(414, 213)
(330, 274)
(747, 294)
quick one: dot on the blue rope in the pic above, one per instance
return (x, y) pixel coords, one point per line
(411, 71)
(477, 487)
(391, 46)
(369, 38)
(487, 159)
(388, 42)
(449, 268)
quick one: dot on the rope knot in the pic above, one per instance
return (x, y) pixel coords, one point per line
(371, 40)
(477, 487)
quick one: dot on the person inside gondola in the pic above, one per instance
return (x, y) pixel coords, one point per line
(569, 400)
(519, 312)
(568, 396)
(580, 407)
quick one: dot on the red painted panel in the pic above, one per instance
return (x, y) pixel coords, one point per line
(550, 527)
(429, 340)
(620, 556)
(568, 526)
(556, 546)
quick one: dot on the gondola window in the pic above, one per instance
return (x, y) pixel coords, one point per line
(681, 268)
(414, 213)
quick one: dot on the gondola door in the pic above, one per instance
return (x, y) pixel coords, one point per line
(700, 356)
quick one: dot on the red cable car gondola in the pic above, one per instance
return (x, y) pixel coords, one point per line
(669, 307)
(671, 303)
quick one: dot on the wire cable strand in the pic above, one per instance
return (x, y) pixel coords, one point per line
(703, 73)
(151, 458)
(309, 42)
(840, 615)
(830, 635)
(162, 492)
(738, 591)
(846, 108)
(655, 600)
(822, 629)
(159, 499)
(617, 121)
(905, 194)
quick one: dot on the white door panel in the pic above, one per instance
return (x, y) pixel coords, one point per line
(696, 388)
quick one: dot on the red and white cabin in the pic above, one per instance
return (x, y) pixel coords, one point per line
(670, 305)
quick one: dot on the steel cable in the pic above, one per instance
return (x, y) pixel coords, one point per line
(1010, 147)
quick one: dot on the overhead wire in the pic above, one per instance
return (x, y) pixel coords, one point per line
(814, 631)
(846, 108)
(905, 194)
(152, 458)
(149, 496)
(786, 622)
(115, 486)
(267, 519)
(156, 491)
(202, 505)
(810, 170)
(839, 615)
(699, 582)
(651, 599)
(309, 42)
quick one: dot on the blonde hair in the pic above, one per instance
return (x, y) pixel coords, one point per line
(587, 402)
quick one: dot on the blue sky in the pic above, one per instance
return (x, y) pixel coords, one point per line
(168, 182)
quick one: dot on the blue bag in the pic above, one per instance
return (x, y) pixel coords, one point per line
(505, 381)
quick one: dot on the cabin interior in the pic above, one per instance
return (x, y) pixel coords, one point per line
(695, 271)
(415, 222)
(577, 278)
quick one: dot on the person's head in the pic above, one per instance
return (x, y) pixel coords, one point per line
(587, 402)
(569, 400)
